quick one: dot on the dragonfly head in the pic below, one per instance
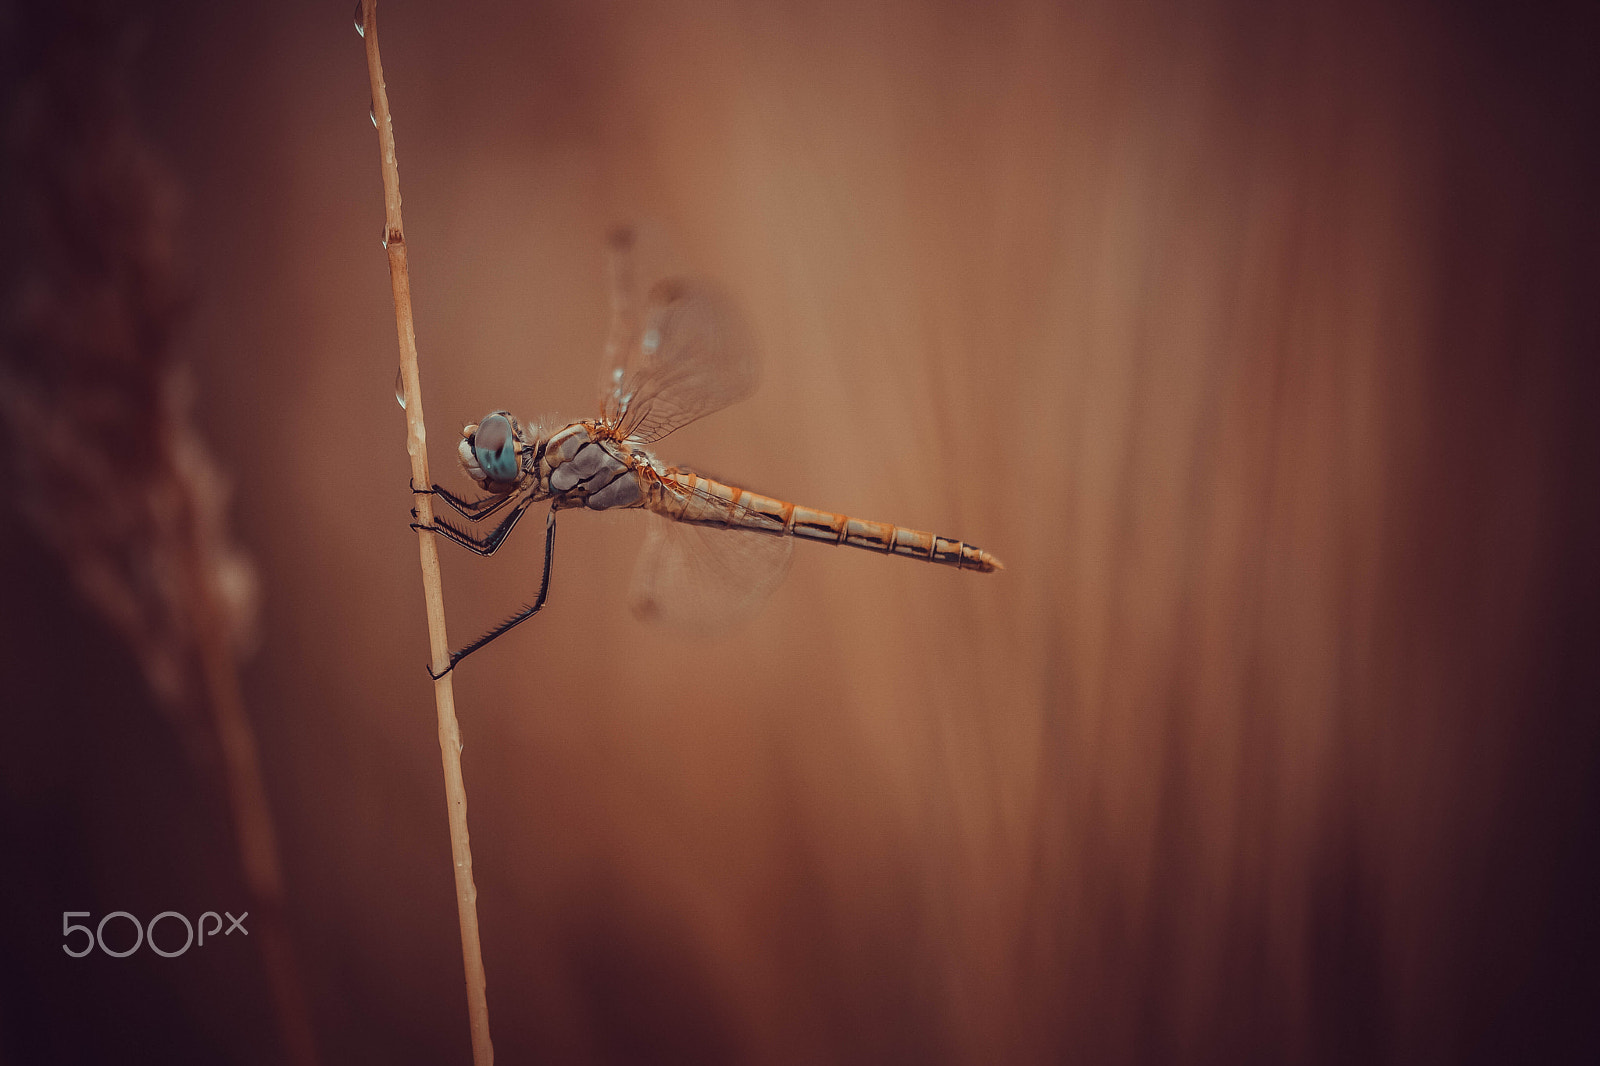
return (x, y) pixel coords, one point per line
(492, 451)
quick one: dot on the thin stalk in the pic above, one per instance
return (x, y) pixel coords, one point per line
(432, 590)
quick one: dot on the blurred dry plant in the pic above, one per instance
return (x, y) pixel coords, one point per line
(101, 449)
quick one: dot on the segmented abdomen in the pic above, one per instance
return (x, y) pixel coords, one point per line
(685, 496)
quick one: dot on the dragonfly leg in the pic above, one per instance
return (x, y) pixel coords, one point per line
(486, 545)
(525, 612)
(474, 510)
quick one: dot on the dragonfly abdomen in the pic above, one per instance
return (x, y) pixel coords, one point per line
(704, 501)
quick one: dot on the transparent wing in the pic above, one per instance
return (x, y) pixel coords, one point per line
(688, 354)
(705, 579)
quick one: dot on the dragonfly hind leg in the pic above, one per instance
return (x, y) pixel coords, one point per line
(525, 612)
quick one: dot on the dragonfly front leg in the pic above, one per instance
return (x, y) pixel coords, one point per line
(527, 611)
(472, 510)
(486, 545)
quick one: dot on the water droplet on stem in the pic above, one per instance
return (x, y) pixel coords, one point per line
(372, 113)
(400, 388)
(361, 27)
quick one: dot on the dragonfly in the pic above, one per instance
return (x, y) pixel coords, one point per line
(713, 551)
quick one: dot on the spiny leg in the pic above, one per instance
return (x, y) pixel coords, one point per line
(486, 545)
(472, 510)
(527, 610)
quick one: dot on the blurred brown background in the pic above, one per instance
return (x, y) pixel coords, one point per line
(1258, 341)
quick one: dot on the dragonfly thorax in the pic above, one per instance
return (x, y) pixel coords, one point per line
(583, 466)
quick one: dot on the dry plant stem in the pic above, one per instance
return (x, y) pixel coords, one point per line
(433, 593)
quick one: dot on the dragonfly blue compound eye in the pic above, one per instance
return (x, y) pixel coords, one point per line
(495, 448)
